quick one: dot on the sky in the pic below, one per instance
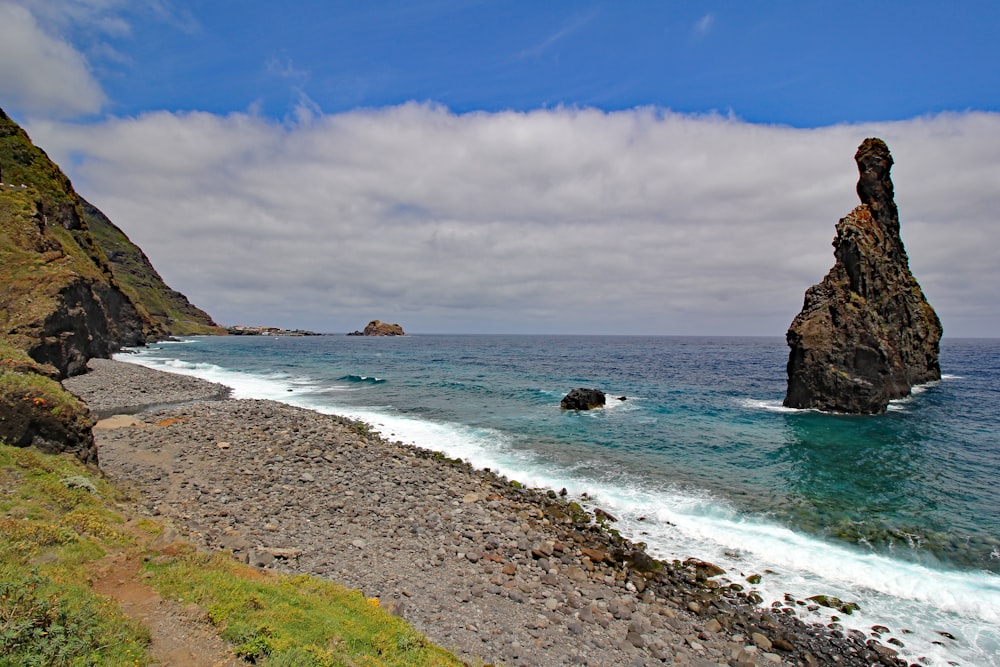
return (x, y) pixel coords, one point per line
(667, 168)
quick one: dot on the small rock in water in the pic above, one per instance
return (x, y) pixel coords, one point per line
(583, 399)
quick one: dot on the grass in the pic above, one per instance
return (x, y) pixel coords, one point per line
(43, 392)
(35, 408)
(58, 517)
(23, 162)
(49, 532)
(300, 620)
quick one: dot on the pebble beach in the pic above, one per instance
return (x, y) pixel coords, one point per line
(495, 572)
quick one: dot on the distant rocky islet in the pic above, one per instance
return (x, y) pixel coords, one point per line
(379, 328)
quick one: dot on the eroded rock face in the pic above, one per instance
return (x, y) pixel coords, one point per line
(61, 303)
(866, 334)
(90, 319)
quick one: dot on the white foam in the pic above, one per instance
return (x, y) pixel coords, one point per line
(680, 523)
(773, 406)
(890, 592)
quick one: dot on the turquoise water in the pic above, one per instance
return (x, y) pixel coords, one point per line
(898, 512)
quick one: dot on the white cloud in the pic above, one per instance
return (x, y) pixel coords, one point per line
(42, 72)
(571, 27)
(561, 220)
(101, 16)
(704, 24)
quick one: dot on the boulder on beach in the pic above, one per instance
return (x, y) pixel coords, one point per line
(866, 334)
(583, 399)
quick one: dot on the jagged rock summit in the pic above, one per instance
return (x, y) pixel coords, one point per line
(866, 333)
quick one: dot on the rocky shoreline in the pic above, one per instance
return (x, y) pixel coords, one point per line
(115, 388)
(493, 571)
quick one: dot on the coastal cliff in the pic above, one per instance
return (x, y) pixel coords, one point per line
(866, 334)
(60, 301)
(63, 300)
(172, 312)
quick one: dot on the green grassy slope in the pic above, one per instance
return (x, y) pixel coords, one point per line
(138, 278)
(48, 203)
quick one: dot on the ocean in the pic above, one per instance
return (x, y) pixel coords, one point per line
(898, 513)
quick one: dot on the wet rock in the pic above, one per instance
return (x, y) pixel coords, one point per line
(604, 515)
(782, 644)
(583, 399)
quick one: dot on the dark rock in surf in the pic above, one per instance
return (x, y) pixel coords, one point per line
(866, 334)
(583, 399)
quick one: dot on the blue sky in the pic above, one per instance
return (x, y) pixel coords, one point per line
(448, 164)
(805, 64)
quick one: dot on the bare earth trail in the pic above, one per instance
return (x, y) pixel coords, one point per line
(180, 635)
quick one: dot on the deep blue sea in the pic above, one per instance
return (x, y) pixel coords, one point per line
(899, 513)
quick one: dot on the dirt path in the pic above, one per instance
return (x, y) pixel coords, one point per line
(181, 635)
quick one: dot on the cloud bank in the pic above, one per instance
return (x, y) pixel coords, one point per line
(562, 220)
(42, 72)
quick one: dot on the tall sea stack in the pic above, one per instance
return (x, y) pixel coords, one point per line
(866, 334)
